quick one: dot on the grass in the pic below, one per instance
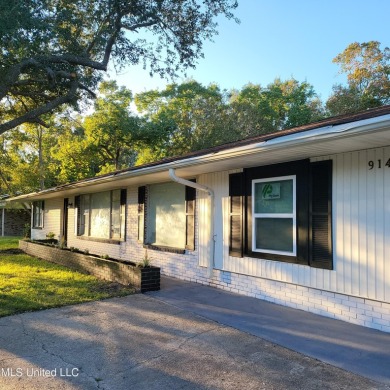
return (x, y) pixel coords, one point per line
(29, 284)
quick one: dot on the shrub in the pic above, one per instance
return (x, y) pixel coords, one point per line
(50, 235)
(27, 230)
(145, 262)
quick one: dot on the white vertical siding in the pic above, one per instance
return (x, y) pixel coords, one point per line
(386, 212)
(354, 202)
(362, 224)
(361, 221)
(204, 233)
(361, 231)
(52, 219)
(217, 183)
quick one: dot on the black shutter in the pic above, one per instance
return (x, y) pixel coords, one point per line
(77, 200)
(236, 198)
(123, 196)
(321, 255)
(141, 213)
(190, 217)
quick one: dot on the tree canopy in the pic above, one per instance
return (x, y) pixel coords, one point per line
(53, 52)
(368, 76)
(281, 104)
(125, 130)
(181, 118)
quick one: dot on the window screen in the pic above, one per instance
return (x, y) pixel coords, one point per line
(166, 215)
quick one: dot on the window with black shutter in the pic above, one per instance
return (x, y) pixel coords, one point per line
(321, 255)
(288, 213)
(236, 206)
(277, 212)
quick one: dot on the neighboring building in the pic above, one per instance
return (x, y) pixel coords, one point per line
(300, 217)
(13, 219)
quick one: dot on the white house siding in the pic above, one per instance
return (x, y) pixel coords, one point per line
(358, 288)
(219, 182)
(216, 181)
(51, 219)
(361, 225)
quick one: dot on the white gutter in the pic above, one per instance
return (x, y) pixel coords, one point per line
(210, 193)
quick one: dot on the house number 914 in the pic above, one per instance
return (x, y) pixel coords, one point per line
(377, 164)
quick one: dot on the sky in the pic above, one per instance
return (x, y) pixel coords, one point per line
(280, 39)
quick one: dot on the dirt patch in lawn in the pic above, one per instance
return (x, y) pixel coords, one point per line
(11, 251)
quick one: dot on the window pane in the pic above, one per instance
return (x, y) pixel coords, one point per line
(274, 196)
(274, 234)
(84, 215)
(166, 216)
(116, 215)
(38, 214)
(100, 215)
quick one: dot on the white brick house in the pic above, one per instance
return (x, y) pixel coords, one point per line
(300, 217)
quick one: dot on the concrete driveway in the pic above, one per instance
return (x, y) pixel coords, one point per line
(140, 342)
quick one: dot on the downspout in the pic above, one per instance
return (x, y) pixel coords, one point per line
(2, 222)
(210, 193)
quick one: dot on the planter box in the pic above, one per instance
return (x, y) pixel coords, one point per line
(142, 279)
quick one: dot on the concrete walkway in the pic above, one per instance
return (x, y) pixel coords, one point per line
(164, 341)
(354, 348)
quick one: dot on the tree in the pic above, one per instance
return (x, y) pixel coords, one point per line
(368, 75)
(26, 157)
(53, 52)
(282, 104)
(72, 156)
(182, 118)
(108, 139)
(5, 165)
(188, 116)
(113, 132)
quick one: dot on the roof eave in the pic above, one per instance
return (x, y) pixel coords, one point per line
(286, 141)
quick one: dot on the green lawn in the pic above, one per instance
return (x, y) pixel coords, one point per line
(28, 284)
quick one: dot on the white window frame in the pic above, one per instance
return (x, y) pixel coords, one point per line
(38, 210)
(292, 216)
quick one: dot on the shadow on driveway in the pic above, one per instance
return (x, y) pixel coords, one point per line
(139, 342)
